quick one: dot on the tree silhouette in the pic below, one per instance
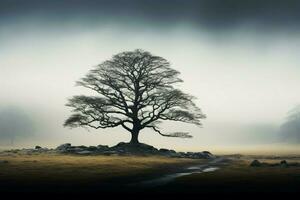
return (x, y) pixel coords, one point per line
(290, 129)
(136, 91)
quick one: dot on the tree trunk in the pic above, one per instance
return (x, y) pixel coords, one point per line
(134, 137)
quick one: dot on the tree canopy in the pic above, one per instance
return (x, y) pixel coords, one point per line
(135, 90)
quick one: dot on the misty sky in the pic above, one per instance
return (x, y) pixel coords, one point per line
(239, 58)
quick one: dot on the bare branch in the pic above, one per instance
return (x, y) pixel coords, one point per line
(175, 134)
(135, 90)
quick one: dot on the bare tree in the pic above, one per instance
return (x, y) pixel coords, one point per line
(136, 91)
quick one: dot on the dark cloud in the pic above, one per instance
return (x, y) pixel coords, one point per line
(211, 14)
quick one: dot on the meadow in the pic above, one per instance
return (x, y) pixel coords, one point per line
(74, 174)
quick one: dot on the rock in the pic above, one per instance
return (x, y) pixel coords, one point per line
(85, 152)
(121, 144)
(108, 153)
(74, 149)
(190, 155)
(207, 155)
(181, 154)
(3, 161)
(283, 163)
(168, 152)
(14, 151)
(102, 147)
(28, 151)
(63, 147)
(255, 163)
(206, 152)
(41, 150)
(162, 150)
(121, 148)
(91, 148)
(198, 155)
(146, 146)
(172, 151)
(134, 149)
(82, 147)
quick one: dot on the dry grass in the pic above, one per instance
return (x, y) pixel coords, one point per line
(51, 167)
(240, 177)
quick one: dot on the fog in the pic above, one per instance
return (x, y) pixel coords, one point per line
(244, 72)
(290, 129)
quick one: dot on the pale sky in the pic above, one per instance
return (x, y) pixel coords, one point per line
(245, 77)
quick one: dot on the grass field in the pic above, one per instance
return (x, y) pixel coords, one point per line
(56, 169)
(239, 177)
(93, 174)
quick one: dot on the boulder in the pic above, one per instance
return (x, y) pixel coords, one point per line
(181, 154)
(207, 155)
(255, 163)
(91, 148)
(3, 161)
(162, 150)
(85, 152)
(74, 149)
(63, 147)
(206, 152)
(283, 163)
(123, 148)
(82, 147)
(102, 147)
(108, 153)
(134, 149)
(41, 150)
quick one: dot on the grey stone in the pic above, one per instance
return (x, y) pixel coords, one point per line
(162, 150)
(283, 163)
(41, 150)
(121, 148)
(101, 148)
(3, 161)
(255, 163)
(206, 152)
(85, 152)
(91, 148)
(107, 153)
(63, 147)
(82, 147)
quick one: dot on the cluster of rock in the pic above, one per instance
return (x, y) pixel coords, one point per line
(119, 149)
(128, 149)
(29, 151)
(283, 163)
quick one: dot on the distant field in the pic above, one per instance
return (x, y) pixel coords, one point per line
(56, 173)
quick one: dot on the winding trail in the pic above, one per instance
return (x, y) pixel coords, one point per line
(211, 166)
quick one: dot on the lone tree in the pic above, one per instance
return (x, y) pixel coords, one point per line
(136, 91)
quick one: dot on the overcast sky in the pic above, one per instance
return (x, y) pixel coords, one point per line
(239, 58)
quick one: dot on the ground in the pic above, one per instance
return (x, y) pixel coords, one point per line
(44, 172)
(239, 177)
(56, 173)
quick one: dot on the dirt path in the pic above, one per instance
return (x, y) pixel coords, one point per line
(212, 165)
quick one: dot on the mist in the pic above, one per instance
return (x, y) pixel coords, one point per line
(243, 70)
(290, 129)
